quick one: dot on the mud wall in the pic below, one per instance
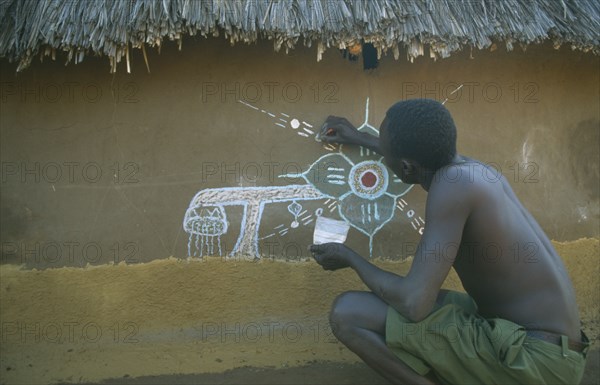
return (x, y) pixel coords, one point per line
(213, 153)
(100, 168)
(170, 316)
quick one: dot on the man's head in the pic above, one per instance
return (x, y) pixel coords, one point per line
(417, 134)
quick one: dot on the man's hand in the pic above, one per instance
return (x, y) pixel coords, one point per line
(332, 256)
(339, 130)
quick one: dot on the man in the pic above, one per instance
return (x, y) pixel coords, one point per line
(518, 322)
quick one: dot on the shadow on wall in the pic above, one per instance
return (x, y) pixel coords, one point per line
(584, 157)
(13, 226)
(14, 218)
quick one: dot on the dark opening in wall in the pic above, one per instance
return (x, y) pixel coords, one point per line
(369, 53)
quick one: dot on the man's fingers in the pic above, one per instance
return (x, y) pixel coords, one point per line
(320, 259)
(330, 138)
(317, 249)
(328, 130)
(320, 255)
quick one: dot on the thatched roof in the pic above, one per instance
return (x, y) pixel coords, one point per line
(113, 27)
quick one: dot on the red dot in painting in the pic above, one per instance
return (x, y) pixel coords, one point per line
(368, 179)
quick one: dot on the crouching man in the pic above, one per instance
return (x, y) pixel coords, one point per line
(518, 322)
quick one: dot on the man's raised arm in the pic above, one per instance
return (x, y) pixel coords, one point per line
(340, 130)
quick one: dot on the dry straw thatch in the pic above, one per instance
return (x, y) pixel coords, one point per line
(112, 27)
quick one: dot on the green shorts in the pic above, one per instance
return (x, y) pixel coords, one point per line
(461, 347)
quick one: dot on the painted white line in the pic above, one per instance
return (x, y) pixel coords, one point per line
(335, 176)
(280, 125)
(249, 105)
(461, 86)
(306, 124)
(303, 134)
(286, 115)
(336, 182)
(309, 131)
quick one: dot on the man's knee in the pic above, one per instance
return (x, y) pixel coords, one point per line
(340, 316)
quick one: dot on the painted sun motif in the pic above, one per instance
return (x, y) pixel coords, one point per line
(366, 189)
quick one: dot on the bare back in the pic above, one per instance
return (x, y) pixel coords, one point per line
(507, 263)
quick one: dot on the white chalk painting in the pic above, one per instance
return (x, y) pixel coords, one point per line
(352, 180)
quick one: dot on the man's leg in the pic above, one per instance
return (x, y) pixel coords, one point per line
(358, 321)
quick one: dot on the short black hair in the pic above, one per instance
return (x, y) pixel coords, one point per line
(422, 130)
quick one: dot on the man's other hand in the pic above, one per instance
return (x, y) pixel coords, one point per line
(332, 256)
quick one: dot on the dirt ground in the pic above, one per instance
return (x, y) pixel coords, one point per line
(314, 373)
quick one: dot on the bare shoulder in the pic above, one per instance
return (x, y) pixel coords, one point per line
(468, 185)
